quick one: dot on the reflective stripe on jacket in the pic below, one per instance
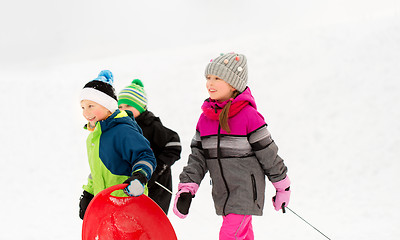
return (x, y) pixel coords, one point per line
(237, 161)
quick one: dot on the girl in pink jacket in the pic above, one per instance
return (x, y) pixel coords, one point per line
(233, 144)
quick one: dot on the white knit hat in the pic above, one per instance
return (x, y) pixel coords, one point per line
(101, 91)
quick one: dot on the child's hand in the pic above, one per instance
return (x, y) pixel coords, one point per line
(84, 203)
(281, 199)
(136, 184)
(182, 205)
(183, 198)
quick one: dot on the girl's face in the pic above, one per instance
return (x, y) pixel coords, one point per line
(135, 112)
(218, 89)
(94, 112)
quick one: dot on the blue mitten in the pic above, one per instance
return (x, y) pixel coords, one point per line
(136, 185)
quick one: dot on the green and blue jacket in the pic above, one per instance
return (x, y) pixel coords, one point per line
(116, 148)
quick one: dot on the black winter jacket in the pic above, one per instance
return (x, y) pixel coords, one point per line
(166, 146)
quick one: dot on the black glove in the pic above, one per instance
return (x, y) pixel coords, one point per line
(139, 176)
(84, 203)
(136, 185)
(183, 203)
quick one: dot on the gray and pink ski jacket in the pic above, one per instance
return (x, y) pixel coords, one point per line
(237, 161)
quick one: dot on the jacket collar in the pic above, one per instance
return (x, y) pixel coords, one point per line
(115, 118)
(212, 108)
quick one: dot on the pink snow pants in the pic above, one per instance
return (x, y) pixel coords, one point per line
(236, 227)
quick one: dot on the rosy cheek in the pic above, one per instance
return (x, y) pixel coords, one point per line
(95, 114)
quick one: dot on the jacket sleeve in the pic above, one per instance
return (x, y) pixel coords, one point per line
(196, 168)
(266, 152)
(89, 186)
(168, 143)
(136, 149)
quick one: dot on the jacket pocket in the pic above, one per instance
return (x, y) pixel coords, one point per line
(253, 182)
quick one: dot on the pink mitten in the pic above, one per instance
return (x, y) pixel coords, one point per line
(183, 198)
(282, 196)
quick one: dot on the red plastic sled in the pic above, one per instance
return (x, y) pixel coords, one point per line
(122, 218)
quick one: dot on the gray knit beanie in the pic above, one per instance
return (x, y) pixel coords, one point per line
(232, 68)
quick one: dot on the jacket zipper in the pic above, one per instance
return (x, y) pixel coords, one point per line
(220, 166)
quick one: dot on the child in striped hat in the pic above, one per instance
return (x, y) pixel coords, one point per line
(133, 98)
(164, 142)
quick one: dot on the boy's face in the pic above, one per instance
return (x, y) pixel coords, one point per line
(94, 112)
(135, 112)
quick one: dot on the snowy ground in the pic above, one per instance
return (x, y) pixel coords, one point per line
(324, 74)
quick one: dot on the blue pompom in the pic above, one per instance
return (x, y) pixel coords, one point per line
(105, 76)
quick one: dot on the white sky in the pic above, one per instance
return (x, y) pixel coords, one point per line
(45, 30)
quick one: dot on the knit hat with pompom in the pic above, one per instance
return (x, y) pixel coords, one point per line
(101, 91)
(134, 95)
(231, 67)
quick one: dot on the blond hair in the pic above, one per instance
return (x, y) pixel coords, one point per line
(224, 115)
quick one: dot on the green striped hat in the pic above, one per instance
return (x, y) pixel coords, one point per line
(134, 95)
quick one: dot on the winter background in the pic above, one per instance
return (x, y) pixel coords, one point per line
(325, 75)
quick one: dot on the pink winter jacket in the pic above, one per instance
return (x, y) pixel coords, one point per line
(237, 161)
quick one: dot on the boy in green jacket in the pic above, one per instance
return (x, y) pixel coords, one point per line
(117, 150)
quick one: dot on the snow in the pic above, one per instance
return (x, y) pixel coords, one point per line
(325, 74)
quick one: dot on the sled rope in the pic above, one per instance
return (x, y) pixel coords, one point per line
(283, 209)
(307, 222)
(166, 189)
